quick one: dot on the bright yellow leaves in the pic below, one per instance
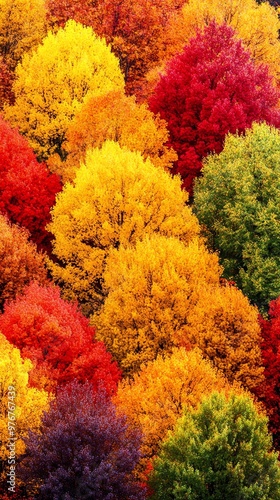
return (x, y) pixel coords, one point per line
(256, 24)
(154, 399)
(53, 82)
(116, 199)
(29, 403)
(119, 118)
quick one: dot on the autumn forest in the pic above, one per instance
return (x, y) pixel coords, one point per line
(139, 250)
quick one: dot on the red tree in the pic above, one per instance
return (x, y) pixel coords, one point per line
(27, 188)
(213, 87)
(269, 391)
(57, 338)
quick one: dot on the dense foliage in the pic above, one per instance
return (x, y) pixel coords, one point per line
(213, 87)
(58, 339)
(221, 450)
(237, 199)
(139, 249)
(83, 450)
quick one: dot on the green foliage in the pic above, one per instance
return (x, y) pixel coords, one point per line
(222, 450)
(238, 200)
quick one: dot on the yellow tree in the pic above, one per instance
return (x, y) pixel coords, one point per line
(163, 293)
(256, 24)
(22, 27)
(20, 262)
(155, 398)
(21, 407)
(152, 287)
(53, 82)
(115, 117)
(116, 198)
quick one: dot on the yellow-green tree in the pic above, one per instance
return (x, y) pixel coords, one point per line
(116, 199)
(257, 24)
(163, 293)
(53, 82)
(155, 398)
(22, 27)
(20, 262)
(21, 406)
(117, 117)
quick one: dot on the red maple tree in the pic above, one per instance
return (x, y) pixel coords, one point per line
(27, 188)
(58, 339)
(269, 391)
(213, 87)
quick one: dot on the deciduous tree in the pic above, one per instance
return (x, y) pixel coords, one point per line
(27, 189)
(256, 23)
(135, 30)
(237, 199)
(163, 293)
(213, 87)
(268, 391)
(83, 450)
(20, 262)
(154, 399)
(21, 407)
(55, 79)
(220, 450)
(58, 340)
(22, 27)
(152, 286)
(119, 118)
(116, 198)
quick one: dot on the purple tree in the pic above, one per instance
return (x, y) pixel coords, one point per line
(84, 450)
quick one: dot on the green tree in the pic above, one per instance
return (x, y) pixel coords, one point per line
(116, 199)
(238, 201)
(222, 450)
(53, 82)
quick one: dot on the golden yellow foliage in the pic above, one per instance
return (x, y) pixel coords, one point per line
(20, 404)
(163, 293)
(116, 199)
(119, 118)
(152, 289)
(53, 82)
(256, 24)
(154, 399)
(22, 27)
(20, 262)
(225, 326)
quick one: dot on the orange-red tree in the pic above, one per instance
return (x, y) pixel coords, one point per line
(20, 262)
(58, 339)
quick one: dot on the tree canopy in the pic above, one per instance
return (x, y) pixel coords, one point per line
(220, 450)
(237, 200)
(116, 198)
(209, 89)
(54, 80)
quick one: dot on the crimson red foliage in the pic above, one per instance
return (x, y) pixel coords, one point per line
(57, 338)
(213, 87)
(269, 391)
(27, 188)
